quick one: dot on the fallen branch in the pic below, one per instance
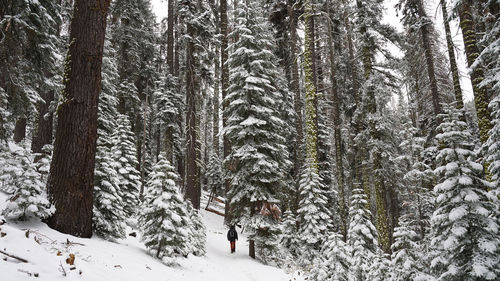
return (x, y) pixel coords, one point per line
(14, 257)
(214, 211)
(68, 243)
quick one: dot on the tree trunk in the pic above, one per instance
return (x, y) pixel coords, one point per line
(451, 54)
(310, 86)
(429, 58)
(192, 188)
(71, 178)
(251, 243)
(225, 85)
(299, 141)
(43, 132)
(20, 129)
(336, 128)
(477, 74)
(170, 36)
(216, 103)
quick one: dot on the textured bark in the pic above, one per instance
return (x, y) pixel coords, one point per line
(310, 87)
(451, 55)
(43, 132)
(71, 178)
(20, 129)
(225, 85)
(477, 74)
(193, 191)
(381, 217)
(170, 36)
(216, 103)
(429, 59)
(336, 128)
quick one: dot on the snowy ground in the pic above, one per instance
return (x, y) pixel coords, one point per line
(98, 259)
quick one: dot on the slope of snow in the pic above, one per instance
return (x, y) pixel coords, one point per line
(98, 259)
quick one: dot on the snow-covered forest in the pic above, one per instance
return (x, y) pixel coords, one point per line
(341, 145)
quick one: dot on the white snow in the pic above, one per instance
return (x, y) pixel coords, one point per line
(98, 259)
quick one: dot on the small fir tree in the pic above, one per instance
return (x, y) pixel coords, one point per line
(215, 180)
(164, 218)
(198, 231)
(29, 198)
(335, 260)
(465, 223)
(362, 237)
(125, 157)
(493, 143)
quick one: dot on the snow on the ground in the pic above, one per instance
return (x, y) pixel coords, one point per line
(98, 259)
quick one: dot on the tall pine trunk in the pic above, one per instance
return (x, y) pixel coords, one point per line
(451, 55)
(477, 74)
(429, 58)
(225, 85)
(169, 133)
(43, 132)
(336, 128)
(71, 179)
(192, 176)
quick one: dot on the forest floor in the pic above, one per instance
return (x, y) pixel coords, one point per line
(47, 250)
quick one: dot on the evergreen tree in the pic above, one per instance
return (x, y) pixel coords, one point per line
(29, 198)
(335, 260)
(361, 237)
(465, 223)
(313, 215)
(164, 218)
(259, 156)
(493, 144)
(215, 182)
(198, 235)
(289, 237)
(125, 156)
(380, 268)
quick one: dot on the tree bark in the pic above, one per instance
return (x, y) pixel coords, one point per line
(192, 176)
(451, 55)
(170, 36)
(225, 85)
(216, 103)
(20, 129)
(477, 74)
(429, 58)
(71, 178)
(336, 128)
(43, 132)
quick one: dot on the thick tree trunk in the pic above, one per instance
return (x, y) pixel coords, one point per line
(298, 105)
(429, 59)
(477, 74)
(310, 86)
(71, 178)
(170, 36)
(451, 55)
(216, 103)
(20, 129)
(43, 132)
(336, 128)
(192, 176)
(225, 85)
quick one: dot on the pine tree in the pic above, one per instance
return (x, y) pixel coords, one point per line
(361, 237)
(198, 235)
(493, 144)
(313, 214)
(335, 260)
(380, 268)
(405, 263)
(29, 198)
(125, 156)
(215, 182)
(465, 223)
(259, 154)
(164, 218)
(289, 237)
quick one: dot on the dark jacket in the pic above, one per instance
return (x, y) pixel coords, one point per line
(232, 234)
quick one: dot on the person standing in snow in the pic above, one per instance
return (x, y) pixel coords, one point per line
(232, 236)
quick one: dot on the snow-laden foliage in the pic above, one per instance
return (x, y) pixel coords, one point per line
(29, 198)
(125, 156)
(164, 218)
(380, 268)
(465, 223)
(259, 157)
(290, 241)
(405, 260)
(215, 181)
(334, 261)
(493, 144)
(266, 233)
(361, 237)
(313, 214)
(198, 232)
